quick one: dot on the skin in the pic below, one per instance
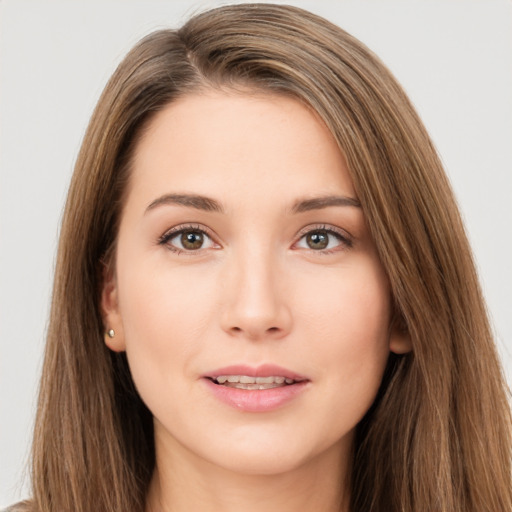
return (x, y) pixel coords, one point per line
(254, 292)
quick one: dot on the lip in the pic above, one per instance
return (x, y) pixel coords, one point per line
(263, 400)
(264, 370)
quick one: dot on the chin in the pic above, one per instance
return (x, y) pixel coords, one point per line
(262, 464)
(268, 455)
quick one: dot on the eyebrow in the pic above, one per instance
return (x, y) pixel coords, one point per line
(211, 205)
(190, 200)
(317, 203)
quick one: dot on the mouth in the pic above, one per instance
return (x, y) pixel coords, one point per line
(254, 383)
(256, 389)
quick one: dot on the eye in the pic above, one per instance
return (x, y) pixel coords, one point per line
(187, 239)
(323, 239)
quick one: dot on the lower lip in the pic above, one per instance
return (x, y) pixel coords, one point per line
(256, 400)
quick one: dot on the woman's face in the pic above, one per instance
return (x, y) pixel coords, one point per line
(247, 291)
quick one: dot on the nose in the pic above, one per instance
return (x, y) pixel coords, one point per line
(256, 304)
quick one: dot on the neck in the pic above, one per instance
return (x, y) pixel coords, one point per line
(183, 483)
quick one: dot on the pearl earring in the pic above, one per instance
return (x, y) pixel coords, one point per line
(111, 333)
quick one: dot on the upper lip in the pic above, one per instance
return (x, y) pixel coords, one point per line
(264, 370)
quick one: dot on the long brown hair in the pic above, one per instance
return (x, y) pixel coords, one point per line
(438, 435)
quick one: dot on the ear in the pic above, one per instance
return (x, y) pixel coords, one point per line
(399, 337)
(112, 321)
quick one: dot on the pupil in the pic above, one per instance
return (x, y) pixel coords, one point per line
(192, 240)
(318, 240)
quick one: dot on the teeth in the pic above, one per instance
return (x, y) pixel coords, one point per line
(265, 380)
(253, 382)
(240, 385)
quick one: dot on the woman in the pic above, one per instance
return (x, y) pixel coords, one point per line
(264, 296)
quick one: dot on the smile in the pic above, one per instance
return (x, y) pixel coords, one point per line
(256, 389)
(248, 382)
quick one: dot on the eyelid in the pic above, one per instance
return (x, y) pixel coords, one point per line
(180, 228)
(345, 238)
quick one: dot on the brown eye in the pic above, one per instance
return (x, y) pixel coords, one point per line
(317, 240)
(192, 240)
(187, 240)
(324, 240)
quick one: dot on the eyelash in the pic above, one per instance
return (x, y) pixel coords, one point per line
(344, 239)
(178, 230)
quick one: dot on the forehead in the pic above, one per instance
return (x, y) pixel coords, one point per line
(239, 145)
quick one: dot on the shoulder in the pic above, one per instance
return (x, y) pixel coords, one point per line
(22, 506)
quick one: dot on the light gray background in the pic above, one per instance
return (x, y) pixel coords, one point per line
(454, 58)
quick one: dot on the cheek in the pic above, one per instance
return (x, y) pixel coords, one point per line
(349, 323)
(165, 315)
(157, 297)
(350, 304)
